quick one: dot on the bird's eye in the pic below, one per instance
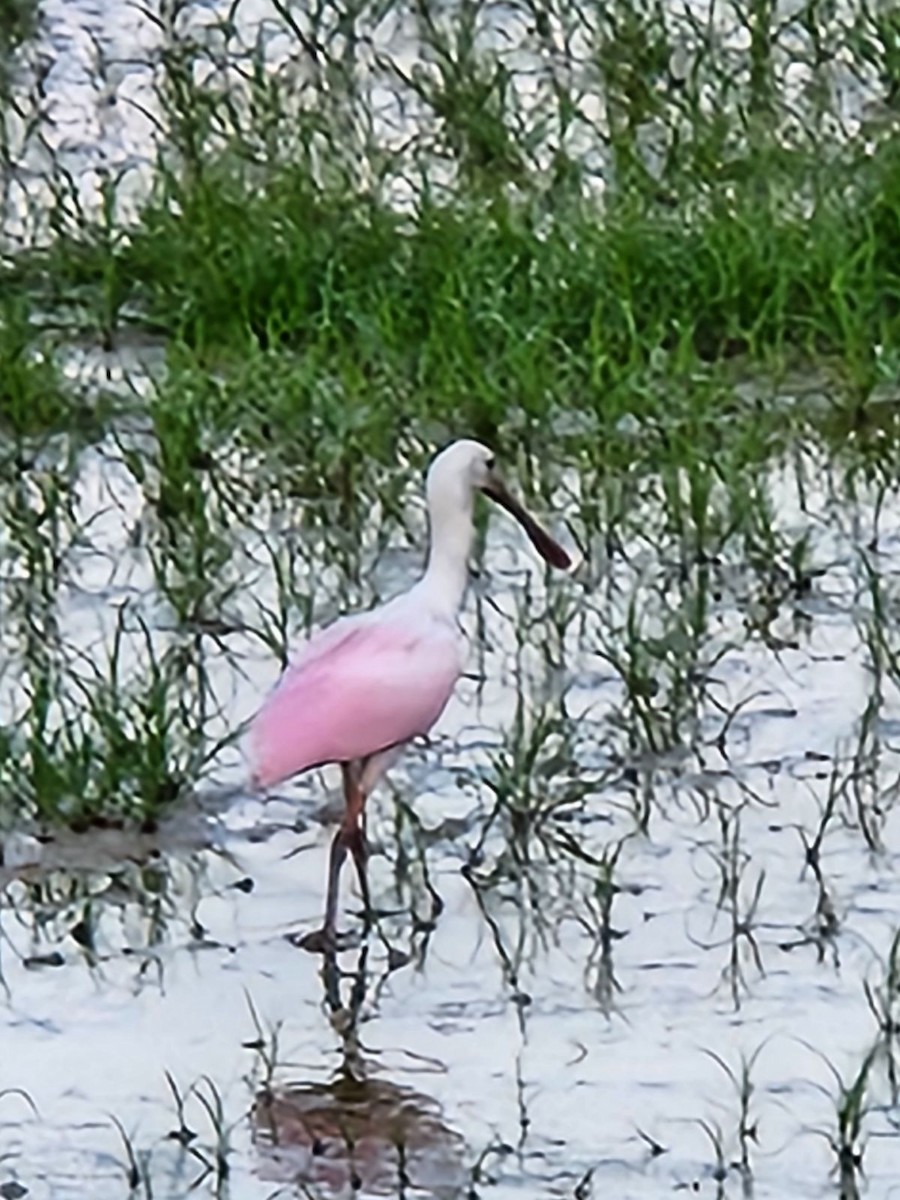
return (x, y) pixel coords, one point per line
(491, 463)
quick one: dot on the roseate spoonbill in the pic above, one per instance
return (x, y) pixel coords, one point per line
(363, 687)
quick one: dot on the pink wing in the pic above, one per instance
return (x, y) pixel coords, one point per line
(358, 687)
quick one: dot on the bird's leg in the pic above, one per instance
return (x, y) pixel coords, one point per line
(360, 851)
(359, 777)
(335, 862)
(353, 829)
(349, 836)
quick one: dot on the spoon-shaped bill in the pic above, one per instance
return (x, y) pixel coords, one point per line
(548, 547)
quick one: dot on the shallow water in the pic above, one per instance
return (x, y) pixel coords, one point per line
(620, 916)
(626, 896)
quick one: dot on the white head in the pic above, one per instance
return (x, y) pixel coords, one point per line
(454, 476)
(461, 469)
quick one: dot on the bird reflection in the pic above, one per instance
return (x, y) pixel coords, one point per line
(359, 1132)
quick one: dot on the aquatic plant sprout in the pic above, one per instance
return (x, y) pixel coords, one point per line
(259, 262)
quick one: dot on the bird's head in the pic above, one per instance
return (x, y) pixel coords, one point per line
(466, 467)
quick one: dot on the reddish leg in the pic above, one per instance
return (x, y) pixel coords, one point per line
(349, 836)
(359, 779)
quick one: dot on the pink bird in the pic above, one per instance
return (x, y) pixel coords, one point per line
(366, 685)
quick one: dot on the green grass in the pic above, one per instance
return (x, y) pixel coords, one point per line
(109, 746)
(496, 301)
(18, 21)
(332, 323)
(32, 397)
(509, 283)
(502, 297)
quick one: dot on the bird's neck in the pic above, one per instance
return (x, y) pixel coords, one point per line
(447, 573)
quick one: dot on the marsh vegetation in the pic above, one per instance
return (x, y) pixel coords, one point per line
(258, 260)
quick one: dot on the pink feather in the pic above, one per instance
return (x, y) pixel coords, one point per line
(359, 686)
